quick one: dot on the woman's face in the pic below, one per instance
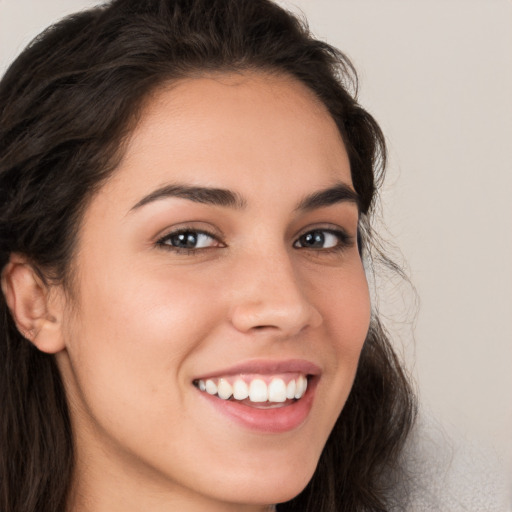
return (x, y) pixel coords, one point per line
(221, 254)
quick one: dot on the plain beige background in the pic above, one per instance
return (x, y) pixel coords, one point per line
(437, 75)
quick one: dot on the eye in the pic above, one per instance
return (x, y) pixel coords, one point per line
(323, 239)
(188, 239)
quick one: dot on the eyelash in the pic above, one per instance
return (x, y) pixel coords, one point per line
(344, 240)
(164, 241)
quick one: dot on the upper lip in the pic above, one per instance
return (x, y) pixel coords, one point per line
(267, 367)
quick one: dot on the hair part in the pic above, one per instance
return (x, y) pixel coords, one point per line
(67, 105)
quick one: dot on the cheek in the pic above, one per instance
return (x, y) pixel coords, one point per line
(345, 302)
(133, 333)
(352, 322)
(127, 373)
(164, 305)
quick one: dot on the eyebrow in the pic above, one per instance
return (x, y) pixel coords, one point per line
(338, 193)
(206, 195)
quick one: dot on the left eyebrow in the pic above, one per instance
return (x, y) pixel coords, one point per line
(339, 193)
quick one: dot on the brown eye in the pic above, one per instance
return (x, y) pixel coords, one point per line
(320, 239)
(323, 239)
(188, 240)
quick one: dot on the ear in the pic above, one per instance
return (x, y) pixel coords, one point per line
(36, 307)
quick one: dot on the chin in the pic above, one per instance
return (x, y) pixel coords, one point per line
(269, 486)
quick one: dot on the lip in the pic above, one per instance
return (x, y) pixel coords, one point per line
(265, 368)
(273, 420)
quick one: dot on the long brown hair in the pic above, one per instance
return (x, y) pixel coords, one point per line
(66, 105)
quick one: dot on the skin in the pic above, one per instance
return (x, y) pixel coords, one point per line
(142, 320)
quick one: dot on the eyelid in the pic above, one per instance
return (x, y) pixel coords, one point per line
(331, 228)
(191, 225)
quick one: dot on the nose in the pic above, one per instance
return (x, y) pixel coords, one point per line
(269, 295)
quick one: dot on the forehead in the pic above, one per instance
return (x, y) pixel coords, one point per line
(243, 132)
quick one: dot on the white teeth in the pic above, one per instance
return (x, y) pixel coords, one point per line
(211, 387)
(302, 384)
(277, 391)
(258, 391)
(224, 389)
(290, 389)
(240, 390)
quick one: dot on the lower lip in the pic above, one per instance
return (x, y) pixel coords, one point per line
(275, 420)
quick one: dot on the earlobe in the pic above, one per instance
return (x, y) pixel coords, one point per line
(32, 304)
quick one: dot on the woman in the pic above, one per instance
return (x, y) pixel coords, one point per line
(186, 196)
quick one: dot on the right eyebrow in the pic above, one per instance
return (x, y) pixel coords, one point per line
(206, 195)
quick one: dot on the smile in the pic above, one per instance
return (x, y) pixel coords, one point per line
(263, 390)
(262, 395)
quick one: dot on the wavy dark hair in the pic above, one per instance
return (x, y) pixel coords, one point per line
(66, 106)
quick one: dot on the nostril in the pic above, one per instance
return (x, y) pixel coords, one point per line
(287, 316)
